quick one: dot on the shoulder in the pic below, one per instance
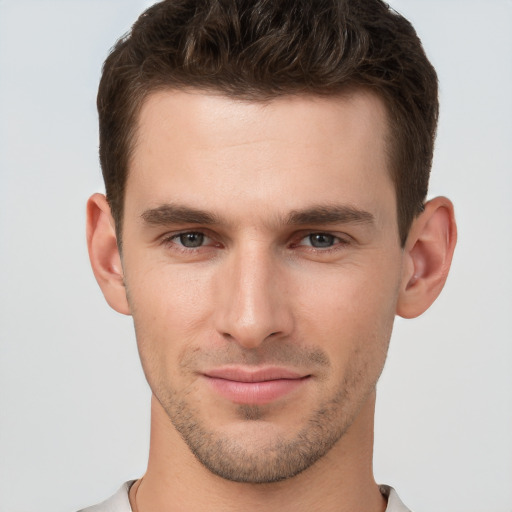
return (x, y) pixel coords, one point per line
(394, 502)
(117, 503)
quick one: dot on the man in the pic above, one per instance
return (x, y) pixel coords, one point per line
(266, 167)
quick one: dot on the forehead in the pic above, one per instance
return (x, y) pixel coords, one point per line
(207, 114)
(281, 151)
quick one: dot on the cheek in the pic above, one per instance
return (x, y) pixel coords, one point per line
(168, 296)
(169, 307)
(350, 311)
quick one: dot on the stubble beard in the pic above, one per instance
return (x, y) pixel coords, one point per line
(276, 459)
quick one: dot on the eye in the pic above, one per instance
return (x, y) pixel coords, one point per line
(191, 239)
(188, 240)
(320, 240)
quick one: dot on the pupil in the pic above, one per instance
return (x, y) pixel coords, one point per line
(192, 239)
(321, 240)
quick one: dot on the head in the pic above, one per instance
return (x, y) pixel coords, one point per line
(259, 50)
(266, 169)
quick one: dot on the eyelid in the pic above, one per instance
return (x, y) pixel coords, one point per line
(340, 240)
(173, 238)
(210, 240)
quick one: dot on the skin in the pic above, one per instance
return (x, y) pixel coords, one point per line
(293, 263)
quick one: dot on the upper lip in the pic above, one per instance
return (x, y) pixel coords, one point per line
(247, 374)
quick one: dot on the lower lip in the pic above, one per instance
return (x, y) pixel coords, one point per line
(256, 393)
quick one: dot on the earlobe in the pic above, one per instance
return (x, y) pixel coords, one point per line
(104, 253)
(428, 255)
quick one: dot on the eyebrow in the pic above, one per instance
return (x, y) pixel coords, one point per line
(176, 214)
(323, 214)
(331, 214)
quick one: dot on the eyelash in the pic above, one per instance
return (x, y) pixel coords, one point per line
(171, 241)
(339, 243)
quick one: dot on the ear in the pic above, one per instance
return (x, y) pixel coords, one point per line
(104, 253)
(427, 257)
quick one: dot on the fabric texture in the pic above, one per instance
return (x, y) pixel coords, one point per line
(117, 503)
(394, 502)
(120, 502)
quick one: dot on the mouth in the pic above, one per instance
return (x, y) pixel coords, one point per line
(255, 386)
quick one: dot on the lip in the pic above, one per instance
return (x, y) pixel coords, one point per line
(255, 386)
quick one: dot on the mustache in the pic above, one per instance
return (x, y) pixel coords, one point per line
(270, 352)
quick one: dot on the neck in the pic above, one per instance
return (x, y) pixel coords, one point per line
(341, 481)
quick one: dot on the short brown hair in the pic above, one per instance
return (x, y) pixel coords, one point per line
(261, 49)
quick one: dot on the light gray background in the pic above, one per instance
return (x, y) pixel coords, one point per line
(74, 405)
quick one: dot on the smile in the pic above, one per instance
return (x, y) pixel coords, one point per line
(257, 387)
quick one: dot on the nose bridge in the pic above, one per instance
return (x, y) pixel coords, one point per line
(254, 304)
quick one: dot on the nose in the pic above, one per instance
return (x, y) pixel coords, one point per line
(252, 300)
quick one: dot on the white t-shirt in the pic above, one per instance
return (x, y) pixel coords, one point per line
(120, 502)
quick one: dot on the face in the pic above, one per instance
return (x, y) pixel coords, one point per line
(262, 264)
